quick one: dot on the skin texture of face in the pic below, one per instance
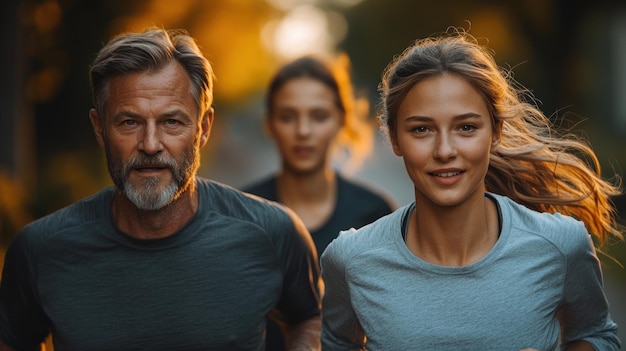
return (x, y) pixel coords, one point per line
(444, 135)
(152, 135)
(304, 123)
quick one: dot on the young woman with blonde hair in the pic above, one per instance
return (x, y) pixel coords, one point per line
(495, 253)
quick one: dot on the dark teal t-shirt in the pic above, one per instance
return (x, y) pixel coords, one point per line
(356, 206)
(207, 287)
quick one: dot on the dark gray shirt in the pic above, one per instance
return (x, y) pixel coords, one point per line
(356, 205)
(207, 287)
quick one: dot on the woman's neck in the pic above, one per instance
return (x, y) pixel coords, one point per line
(454, 235)
(312, 196)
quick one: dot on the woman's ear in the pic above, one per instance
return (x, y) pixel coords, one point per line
(395, 146)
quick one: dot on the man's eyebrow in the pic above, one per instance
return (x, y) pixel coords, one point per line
(174, 113)
(125, 113)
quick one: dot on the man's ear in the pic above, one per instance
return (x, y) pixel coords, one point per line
(96, 124)
(205, 126)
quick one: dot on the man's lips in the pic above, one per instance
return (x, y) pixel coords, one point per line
(150, 169)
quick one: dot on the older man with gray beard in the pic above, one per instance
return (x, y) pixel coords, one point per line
(164, 260)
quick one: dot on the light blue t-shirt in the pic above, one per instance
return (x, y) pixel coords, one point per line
(377, 290)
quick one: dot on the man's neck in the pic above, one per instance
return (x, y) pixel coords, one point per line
(155, 224)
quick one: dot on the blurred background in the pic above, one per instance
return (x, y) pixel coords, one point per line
(570, 53)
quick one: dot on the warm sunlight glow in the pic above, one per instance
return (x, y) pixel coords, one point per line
(286, 5)
(304, 30)
(301, 31)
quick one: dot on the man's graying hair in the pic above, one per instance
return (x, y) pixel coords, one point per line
(151, 50)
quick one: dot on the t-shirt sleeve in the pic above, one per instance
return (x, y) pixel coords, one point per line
(300, 299)
(584, 313)
(341, 329)
(23, 325)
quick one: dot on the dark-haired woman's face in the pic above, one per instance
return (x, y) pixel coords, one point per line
(304, 122)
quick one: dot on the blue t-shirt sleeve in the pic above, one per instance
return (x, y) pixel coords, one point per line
(340, 326)
(584, 313)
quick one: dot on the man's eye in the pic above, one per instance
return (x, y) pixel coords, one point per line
(129, 122)
(172, 121)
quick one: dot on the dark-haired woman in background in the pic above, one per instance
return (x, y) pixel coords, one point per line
(311, 113)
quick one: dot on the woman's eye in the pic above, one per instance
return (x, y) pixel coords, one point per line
(285, 118)
(467, 127)
(420, 129)
(320, 116)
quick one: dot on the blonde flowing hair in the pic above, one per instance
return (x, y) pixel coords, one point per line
(535, 164)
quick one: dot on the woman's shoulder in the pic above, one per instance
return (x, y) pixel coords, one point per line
(359, 191)
(264, 187)
(563, 231)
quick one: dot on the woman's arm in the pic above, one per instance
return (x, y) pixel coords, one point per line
(341, 329)
(584, 313)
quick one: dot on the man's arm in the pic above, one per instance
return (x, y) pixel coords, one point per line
(4, 347)
(304, 336)
(580, 346)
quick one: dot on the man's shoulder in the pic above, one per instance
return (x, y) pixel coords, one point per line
(274, 220)
(82, 213)
(232, 202)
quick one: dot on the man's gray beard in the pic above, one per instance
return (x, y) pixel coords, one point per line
(150, 197)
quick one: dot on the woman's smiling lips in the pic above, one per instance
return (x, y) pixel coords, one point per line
(446, 176)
